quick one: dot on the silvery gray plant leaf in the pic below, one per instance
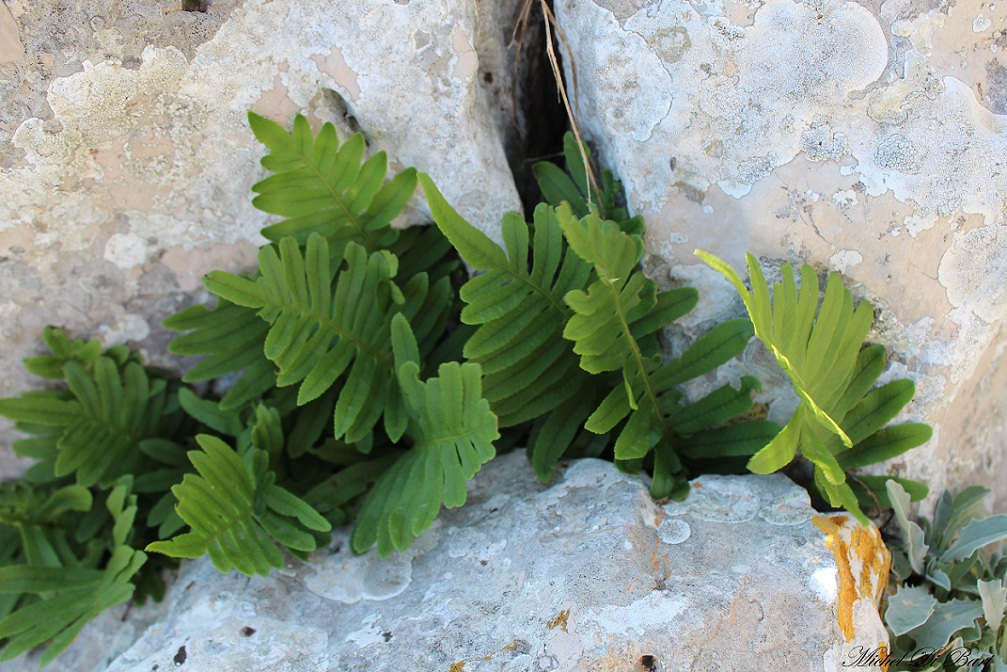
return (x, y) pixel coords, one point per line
(994, 597)
(909, 608)
(947, 619)
(976, 534)
(912, 534)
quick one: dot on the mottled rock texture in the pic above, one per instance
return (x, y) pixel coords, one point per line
(126, 158)
(586, 574)
(866, 138)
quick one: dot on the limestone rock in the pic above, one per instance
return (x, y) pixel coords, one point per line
(586, 574)
(865, 138)
(126, 159)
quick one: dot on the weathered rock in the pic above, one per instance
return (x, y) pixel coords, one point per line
(588, 574)
(868, 138)
(126, 159)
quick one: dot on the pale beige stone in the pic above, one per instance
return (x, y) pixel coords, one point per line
(868, 139)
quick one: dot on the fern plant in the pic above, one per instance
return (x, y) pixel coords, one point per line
(840, 422)
(370, 381)
(531, 304)
(71, 531)
(317, 316)
(950, 603)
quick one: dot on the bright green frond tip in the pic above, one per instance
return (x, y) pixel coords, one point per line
(840, 422)
(320, 186)
(237, 514)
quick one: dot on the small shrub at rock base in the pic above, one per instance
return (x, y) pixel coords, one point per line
(949, 608)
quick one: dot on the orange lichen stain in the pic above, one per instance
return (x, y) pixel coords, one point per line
(559, 621)
(863, 562)
(697, 485)
(512, 646)
(458, 667)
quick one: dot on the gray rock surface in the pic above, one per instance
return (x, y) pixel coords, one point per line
(866, 138)
(126, 160)
(586, 574)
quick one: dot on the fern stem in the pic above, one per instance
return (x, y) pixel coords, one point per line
(638, 359)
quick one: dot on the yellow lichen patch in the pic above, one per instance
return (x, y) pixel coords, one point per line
(559, 621)
(883, 656)
(458, 667)
(863, 562)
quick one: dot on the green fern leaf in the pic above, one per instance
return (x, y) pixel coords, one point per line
(614, 318)
(108, 413)
(73, 599)
(323, 324)
(222, 506)
(86, 353)
(320, 186)
(838, 425)
(44, 518)
(885, 444)
(70, 595)
(452, 430)
(529, 370)
(231, 336)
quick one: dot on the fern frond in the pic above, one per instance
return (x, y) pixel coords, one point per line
(44, 518)
(70, 595)
(101, 422)
(237, 514)
(323, 324)
(320, 186)
(838, 424)
(231, 336)
(529, 370)
(614, 318)
(452, 430)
